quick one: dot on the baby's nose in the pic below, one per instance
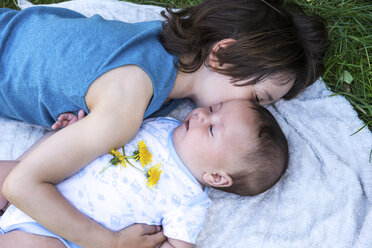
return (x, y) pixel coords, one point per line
(194, 116)
(203, 117)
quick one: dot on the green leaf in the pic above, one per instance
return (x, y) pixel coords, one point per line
(346, 77)
(362, 128)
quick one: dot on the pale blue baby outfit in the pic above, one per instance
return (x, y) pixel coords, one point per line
(119, 197)
(50, 56)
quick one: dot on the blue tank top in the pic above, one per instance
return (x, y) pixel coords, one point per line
(50, 57)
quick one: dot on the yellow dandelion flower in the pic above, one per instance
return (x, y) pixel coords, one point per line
(153, 175)
(143, 154)
(118, 158)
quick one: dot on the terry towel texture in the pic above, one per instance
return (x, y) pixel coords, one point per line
(324, 199)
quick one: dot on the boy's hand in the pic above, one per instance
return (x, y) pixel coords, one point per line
(140, 236)
(67, 119)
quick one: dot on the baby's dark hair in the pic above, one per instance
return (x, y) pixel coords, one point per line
(266, 162)
(272, 38)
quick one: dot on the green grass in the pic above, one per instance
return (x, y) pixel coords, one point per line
(349, 57)
(348, 62)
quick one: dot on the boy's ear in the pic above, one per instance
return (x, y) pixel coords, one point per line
(217, 179)
(213, 61)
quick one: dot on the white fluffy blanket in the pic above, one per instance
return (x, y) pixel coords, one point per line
(324, 199)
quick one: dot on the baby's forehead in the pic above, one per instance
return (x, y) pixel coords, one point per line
(240, 141)
(242, 128)
(243, 117)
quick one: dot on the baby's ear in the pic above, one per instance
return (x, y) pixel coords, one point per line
(212, 59)
(217, 179)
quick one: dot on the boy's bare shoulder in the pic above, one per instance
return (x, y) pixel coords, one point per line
(121, 86)
(117, 101)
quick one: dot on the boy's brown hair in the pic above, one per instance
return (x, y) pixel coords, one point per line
(272, 38)
(265, 163)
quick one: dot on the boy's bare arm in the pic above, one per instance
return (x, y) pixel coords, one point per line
(62, 155)
(114, 119)
(20, 239)
(5, 168)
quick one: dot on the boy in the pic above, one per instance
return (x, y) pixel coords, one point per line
(236, 146)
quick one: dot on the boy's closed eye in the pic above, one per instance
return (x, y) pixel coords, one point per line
(257, 99)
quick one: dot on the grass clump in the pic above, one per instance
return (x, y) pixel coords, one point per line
(348, 61)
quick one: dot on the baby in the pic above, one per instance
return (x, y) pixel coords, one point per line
(160, 176)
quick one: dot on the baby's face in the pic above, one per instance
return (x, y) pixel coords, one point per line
(208, 137)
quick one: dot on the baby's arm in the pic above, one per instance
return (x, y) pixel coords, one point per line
(175, 243)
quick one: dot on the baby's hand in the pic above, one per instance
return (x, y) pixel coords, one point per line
(67, 119)
(140, 236)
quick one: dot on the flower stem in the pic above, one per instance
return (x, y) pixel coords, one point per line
(104, 169)
(126, 159)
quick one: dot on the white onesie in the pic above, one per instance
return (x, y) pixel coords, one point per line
(119, 197)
